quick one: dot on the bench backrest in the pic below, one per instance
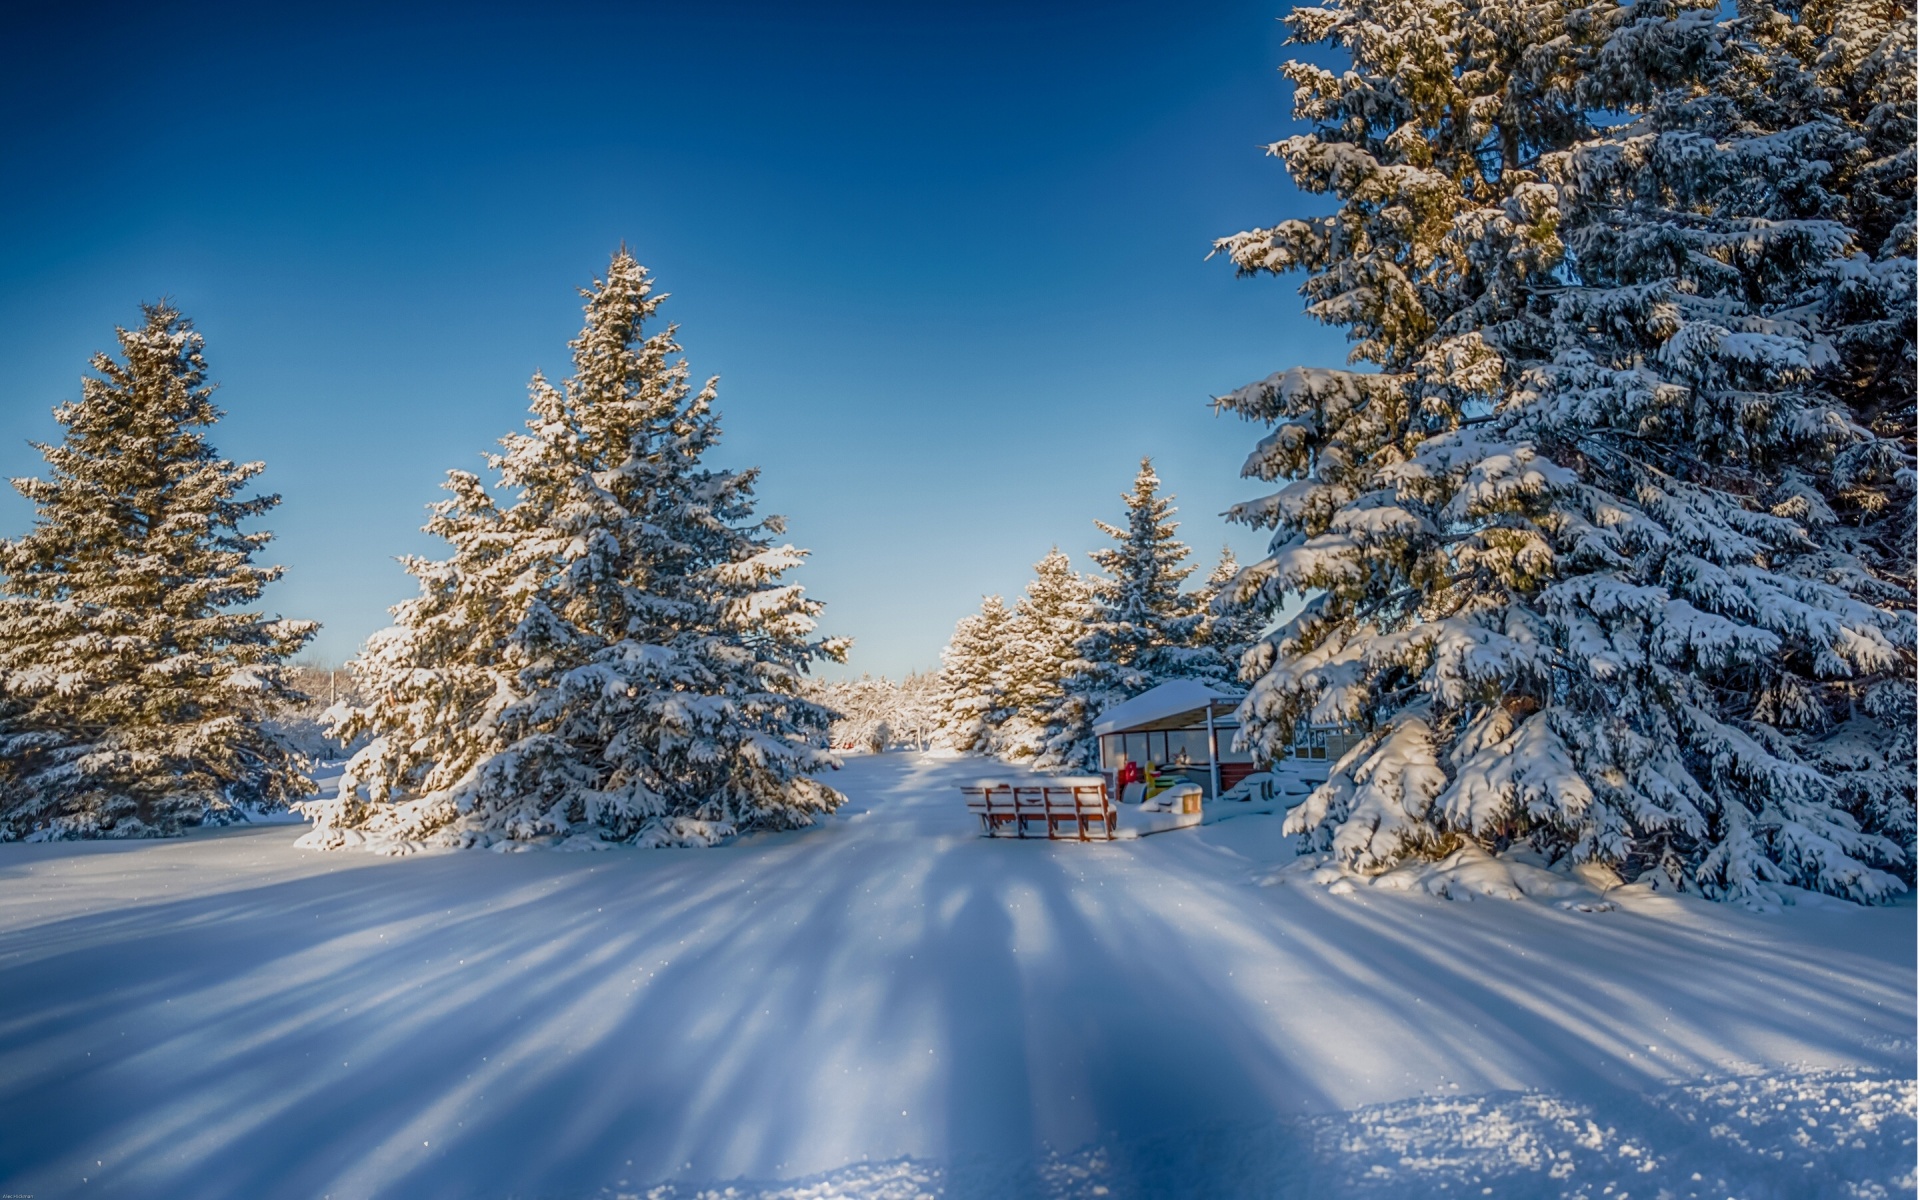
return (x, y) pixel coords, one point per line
(1003, 804)
(1093, 799)
(1078, 794)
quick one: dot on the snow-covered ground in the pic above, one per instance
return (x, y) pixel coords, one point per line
(889, 1006)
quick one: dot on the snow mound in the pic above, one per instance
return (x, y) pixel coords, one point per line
(1838, 1133)
(1254, 786)
(903, 1179)
(1469, 873)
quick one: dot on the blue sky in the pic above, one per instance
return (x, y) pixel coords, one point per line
(947, 262)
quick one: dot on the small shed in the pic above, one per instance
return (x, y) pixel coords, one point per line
(1184, 725)
(1189, 726)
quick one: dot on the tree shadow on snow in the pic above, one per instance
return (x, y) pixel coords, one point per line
(887, 985)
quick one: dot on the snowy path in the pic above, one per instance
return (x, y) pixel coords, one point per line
(228, 1016)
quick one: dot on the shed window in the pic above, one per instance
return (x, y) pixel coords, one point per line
(1226, 735)
(1191, 742)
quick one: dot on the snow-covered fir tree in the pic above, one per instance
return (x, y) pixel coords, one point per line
(972, 700)
(1041, 649)
(1572, 550)
(611, 655)
(1142, 631)
(1228, 629)
(135, 686)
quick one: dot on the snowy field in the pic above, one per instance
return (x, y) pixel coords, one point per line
(889, 1006)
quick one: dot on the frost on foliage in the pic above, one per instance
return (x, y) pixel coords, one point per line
(1609, 544)
(875, 714)
(612, 654)
(136, 691)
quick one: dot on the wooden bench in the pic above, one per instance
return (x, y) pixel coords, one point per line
(1071, 808)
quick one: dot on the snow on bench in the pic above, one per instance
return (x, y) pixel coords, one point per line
(1070, 808)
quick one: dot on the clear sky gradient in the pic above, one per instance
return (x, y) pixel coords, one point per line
(948, 261)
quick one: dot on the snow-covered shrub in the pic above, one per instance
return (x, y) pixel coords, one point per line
(1611, 550)
(609, 654)
(135, 689)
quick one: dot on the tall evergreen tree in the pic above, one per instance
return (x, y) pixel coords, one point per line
(972, 701)
(614, 654)
(1047, 625)
(1567, 552)
(134, 685)
(1143, 629)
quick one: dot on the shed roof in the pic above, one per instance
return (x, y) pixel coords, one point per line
(1155, 706)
